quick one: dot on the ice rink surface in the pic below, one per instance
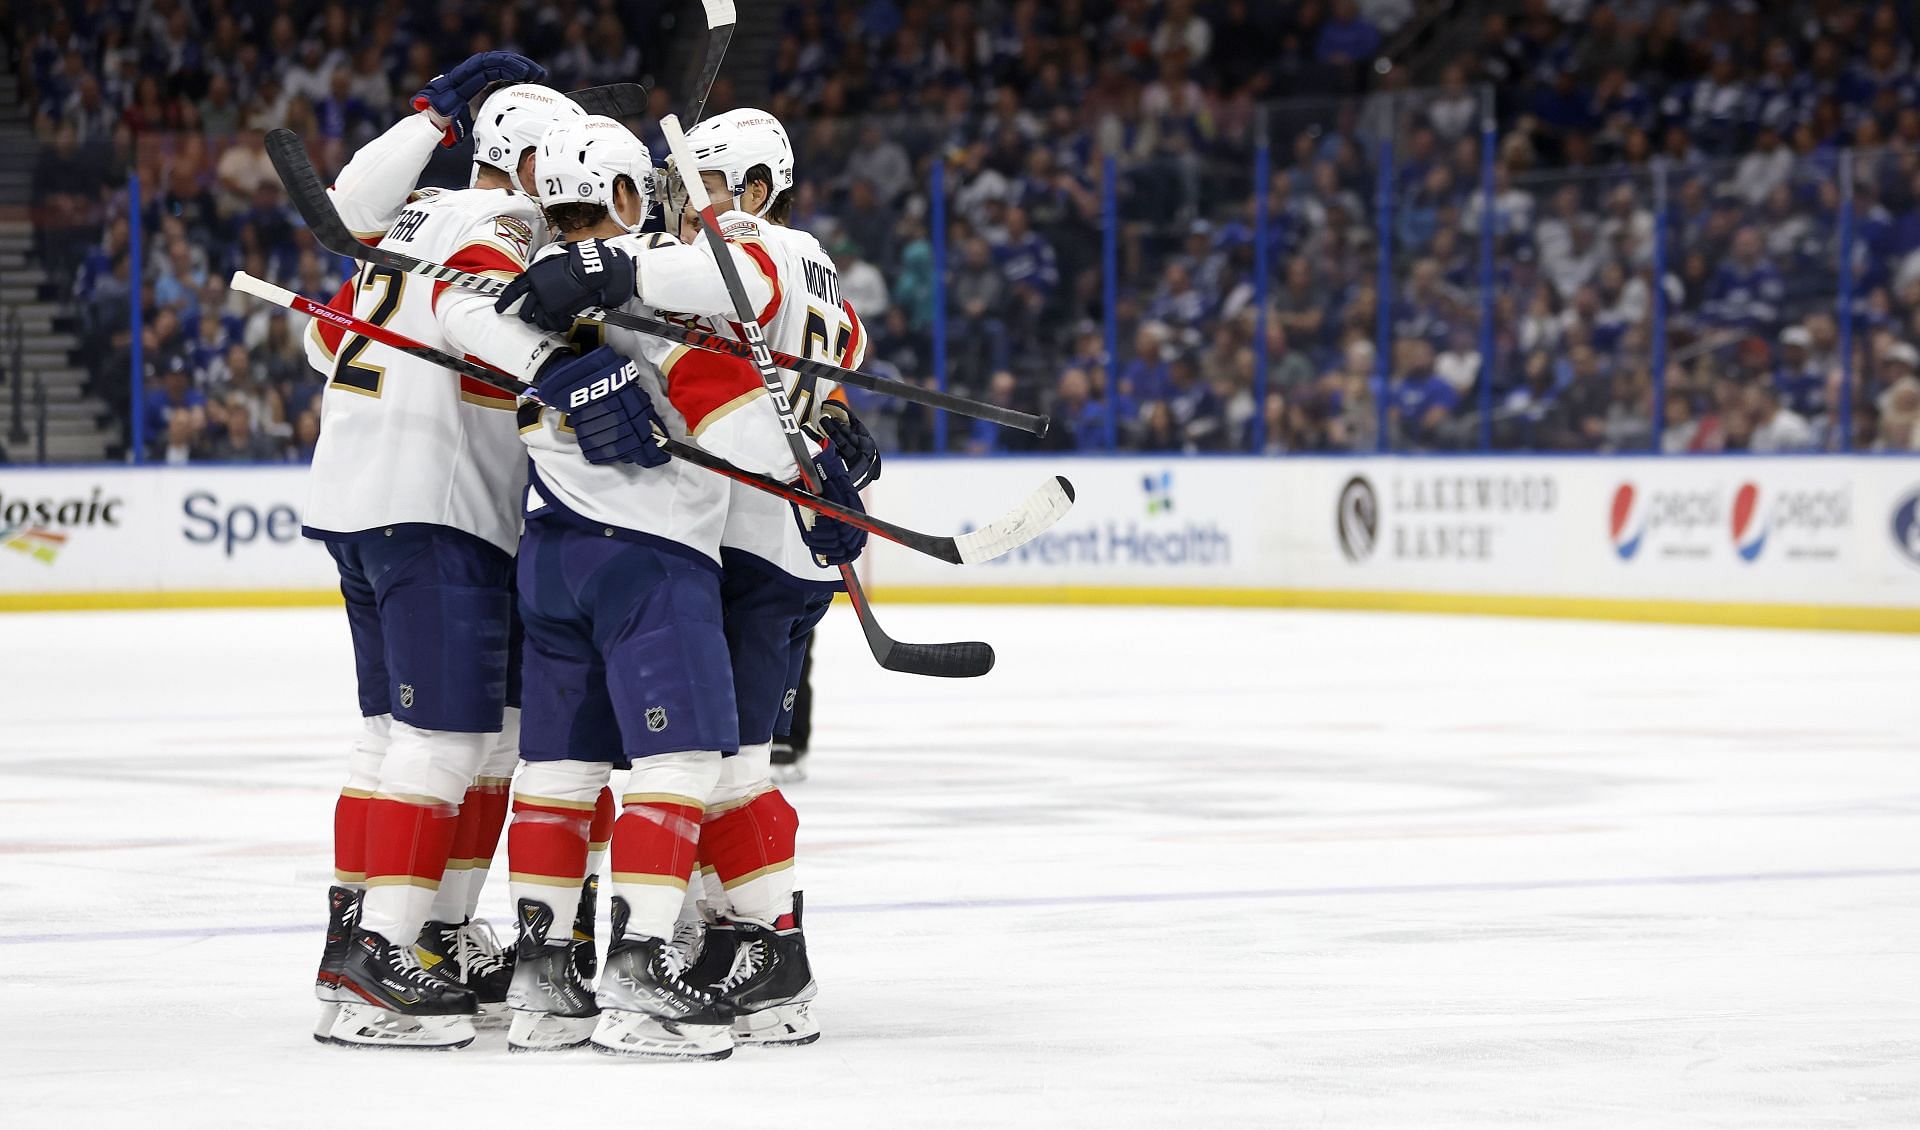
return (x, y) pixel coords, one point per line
(1161, 868)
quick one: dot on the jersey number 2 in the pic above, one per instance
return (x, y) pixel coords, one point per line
(349, 372)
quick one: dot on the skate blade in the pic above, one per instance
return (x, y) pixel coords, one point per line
(492, 1018)
(635, 1035)
(364, 1026)
(545, 1032)
(784, 1026)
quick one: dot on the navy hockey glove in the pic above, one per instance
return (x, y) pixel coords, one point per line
(593, 272)
(832, 541)
(611, 415)
(448, 95)
(852, 441)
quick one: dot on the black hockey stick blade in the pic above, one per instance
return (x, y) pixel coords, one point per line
(965, 660)
(614, 100)
(720, 20)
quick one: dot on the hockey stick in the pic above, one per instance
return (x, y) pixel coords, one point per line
(309, 196)
(614, 100)
(720, 20)
(1028, 521)
(950, 660)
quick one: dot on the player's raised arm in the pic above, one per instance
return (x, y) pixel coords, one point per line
(377, 182)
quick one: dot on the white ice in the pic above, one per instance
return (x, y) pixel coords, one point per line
(1161, 868)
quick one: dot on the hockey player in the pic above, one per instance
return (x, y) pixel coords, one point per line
(369, 195)
(415, 489)
(779, 573)
(628, 628)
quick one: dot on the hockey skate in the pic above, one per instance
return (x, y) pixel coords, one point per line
(396, 1002)
(468, 953)
(552, 992)
(343, 911)
(648, 1010)
(769, 985)
(787, 762)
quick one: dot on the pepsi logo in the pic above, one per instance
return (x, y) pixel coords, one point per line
(1626, 522)
(1750, 525)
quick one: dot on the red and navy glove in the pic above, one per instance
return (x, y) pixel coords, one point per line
(556, 288)
(450, 94)
(611, 415)
(832, 541)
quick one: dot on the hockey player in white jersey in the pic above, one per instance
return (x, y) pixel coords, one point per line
(779, 562)
(620, 590)
(415, 489)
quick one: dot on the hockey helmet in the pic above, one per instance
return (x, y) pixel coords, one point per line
(736, 141)
(512, 120)
(580, 161)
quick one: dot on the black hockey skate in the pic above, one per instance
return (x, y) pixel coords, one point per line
(787, 762)
(397, 1003)
(584, 926)
(468, 953)
(648, 1008)
(553, 1005)
(343, 910)
(769, 983)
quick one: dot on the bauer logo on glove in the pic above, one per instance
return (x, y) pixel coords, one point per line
(602, 387)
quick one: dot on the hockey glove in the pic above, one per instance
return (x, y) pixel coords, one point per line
(610, 414)
(852, 441)
(832, 541)
(593, 272)
(449, 95)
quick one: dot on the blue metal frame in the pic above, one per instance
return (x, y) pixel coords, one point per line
(1262, 165)
(1487, 144)
(1845, 301)
(1658, 362)
(937, 218)
(136, 272)
(1383, 291)
(1110, 297)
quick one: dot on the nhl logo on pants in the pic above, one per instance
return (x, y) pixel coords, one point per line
(656, 718)
(406, 696)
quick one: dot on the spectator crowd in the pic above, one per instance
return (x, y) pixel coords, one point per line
(1749, 120)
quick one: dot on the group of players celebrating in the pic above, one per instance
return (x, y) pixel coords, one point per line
(537, 582)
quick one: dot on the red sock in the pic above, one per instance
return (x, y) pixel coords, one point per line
(750, 849)
(408, 842)
(604, 813)
(482, 818)
(655, 839)
(350, 837)
(547, 844)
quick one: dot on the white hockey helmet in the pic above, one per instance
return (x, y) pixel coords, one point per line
(512, 120)
(736, 141)
(580, 161)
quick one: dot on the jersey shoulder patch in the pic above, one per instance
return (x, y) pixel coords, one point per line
(515, 233)
(419, 194)
(738, 223)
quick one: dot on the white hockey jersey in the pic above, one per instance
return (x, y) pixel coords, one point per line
(807, 317)
(403, 441)
(709, 400)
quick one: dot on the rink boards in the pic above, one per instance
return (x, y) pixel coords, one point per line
(1806, 541)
